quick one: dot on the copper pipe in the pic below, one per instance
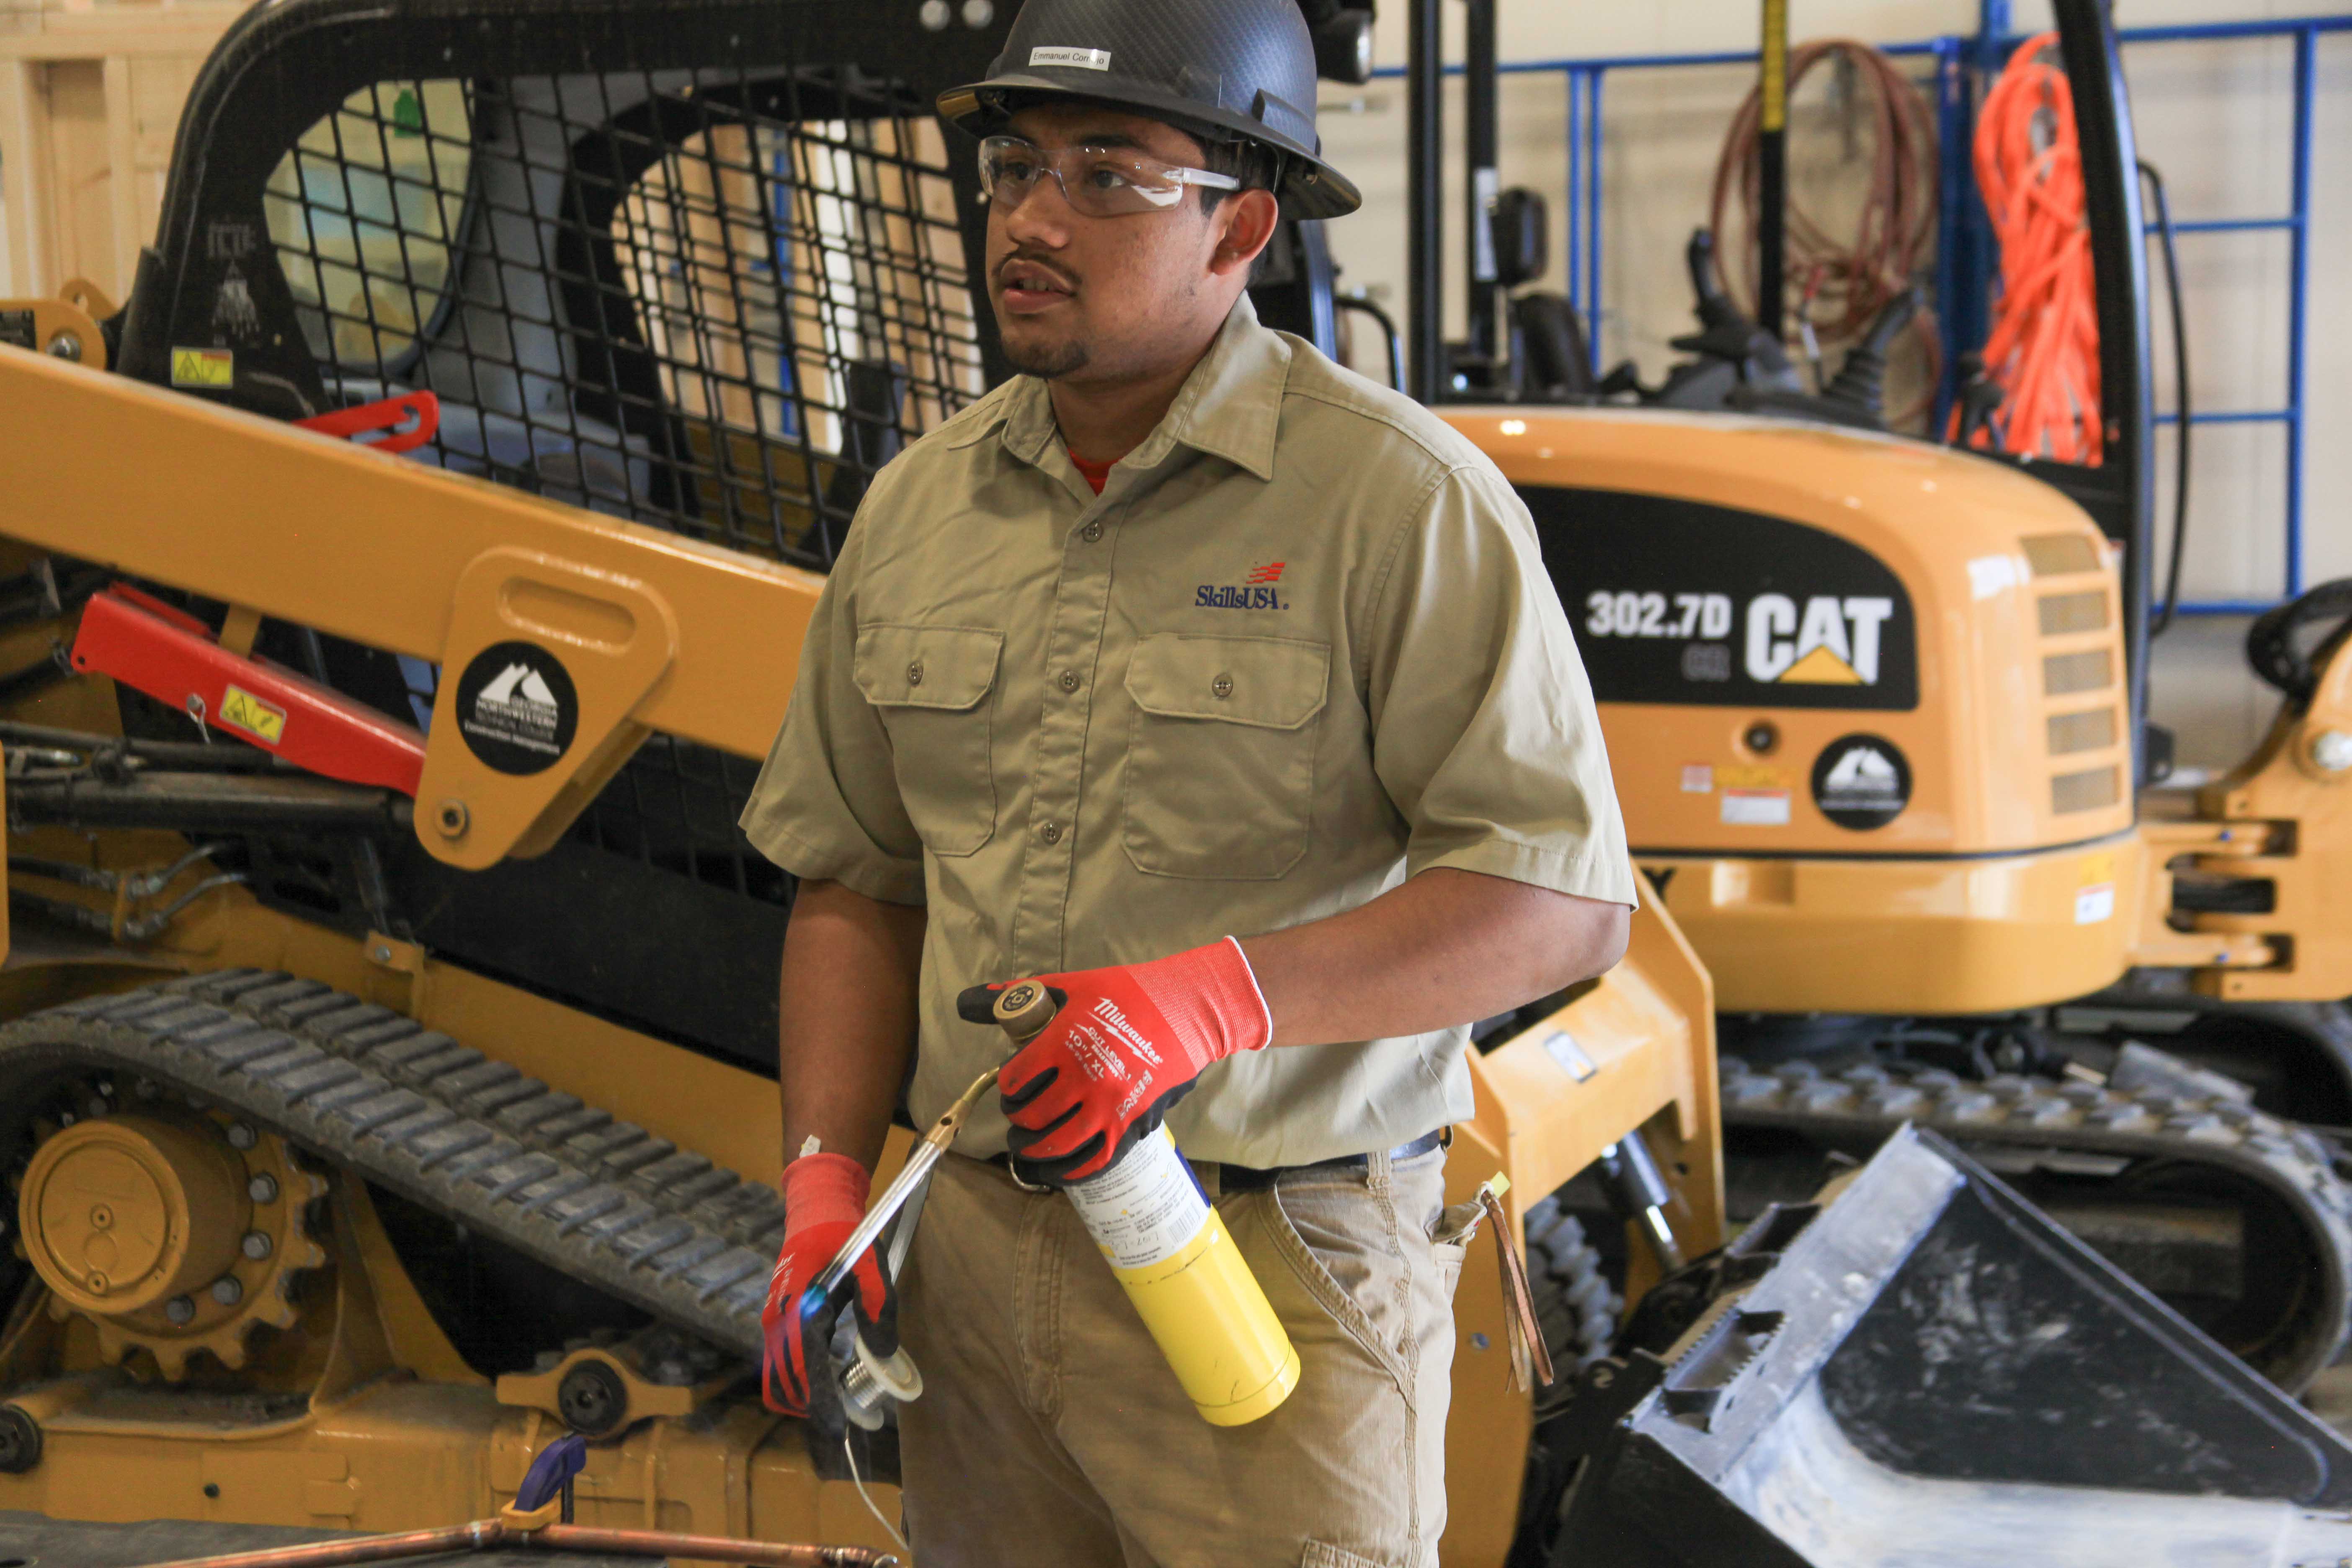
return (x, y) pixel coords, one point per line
(361, 1549)
(483, 1534)
(709, 1548)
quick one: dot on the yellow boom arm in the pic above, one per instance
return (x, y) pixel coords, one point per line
(438, 565)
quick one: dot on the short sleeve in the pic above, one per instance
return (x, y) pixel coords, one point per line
(827, 805)
(1485, 733)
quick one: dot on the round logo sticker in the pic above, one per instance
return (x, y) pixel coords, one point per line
(1861, 782)
(516, 708)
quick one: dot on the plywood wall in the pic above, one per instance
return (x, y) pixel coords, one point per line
(89, 100)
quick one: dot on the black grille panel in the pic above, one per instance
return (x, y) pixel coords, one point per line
(703, 265)
(715, 303)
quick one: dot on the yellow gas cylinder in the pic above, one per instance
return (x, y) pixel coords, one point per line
(1171, 1251)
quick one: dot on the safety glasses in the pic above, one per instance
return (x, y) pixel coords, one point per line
(1100, 182)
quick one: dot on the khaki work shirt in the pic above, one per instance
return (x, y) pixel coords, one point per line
(1301, 647)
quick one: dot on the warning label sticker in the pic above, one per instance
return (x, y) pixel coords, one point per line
(203, 367)
(241, 710)
(1147, 1208)
(1755, 807)
(516, 708)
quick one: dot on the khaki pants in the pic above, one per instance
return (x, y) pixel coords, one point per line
(1051, 1431)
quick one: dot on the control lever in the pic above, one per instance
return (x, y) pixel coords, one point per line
(1638, 1191)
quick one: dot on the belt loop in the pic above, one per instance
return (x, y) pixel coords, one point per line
(1377, 1165)
(1212, 1177)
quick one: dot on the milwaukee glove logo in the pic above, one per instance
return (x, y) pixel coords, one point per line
(1107, 1011)
(1094, 1056)
(1259, 591)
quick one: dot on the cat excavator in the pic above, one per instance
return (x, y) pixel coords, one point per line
(1878, 712)
(400, 587)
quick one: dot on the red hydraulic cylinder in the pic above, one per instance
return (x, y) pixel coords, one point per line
(171, 656)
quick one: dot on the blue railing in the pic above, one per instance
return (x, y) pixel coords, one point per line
(1965, 258)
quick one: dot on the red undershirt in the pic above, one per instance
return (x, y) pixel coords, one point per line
(1094, 474)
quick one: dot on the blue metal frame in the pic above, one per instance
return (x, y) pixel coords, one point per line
(1965, 258)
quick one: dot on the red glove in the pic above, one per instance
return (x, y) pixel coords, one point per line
(1127, 1043)
(824, 1198)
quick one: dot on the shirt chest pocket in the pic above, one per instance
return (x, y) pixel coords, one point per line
(933, 687)
(1221, 765)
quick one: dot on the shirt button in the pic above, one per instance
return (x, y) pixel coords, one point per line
(1069, 680)
(914, 673)
(1051, 833)
(1091, 532)
(1222, 686)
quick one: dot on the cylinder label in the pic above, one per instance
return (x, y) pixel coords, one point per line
(1145, 1209)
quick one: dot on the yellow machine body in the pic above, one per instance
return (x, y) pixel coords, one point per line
(372, 1420)
(2013, 871)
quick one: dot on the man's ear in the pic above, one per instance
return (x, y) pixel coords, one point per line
(1248, 218)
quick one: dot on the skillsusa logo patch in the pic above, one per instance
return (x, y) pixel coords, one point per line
(1260, 591)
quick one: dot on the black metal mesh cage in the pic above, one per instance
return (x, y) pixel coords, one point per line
(712, 302)
(715, 303)
(701, 265)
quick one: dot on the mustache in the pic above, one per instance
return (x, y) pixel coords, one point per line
(1042, 263)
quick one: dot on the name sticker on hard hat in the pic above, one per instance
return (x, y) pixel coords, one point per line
(516, 708)
(1084, 59)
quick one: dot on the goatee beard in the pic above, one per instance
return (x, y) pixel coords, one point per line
(1046, 364)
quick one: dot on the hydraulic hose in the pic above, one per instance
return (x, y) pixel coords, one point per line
(2043, 353)
(1843, 282)
(2183, 410)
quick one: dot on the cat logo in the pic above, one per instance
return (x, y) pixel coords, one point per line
(1831, 642)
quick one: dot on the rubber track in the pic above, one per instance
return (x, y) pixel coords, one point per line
(2294, 1165)
(468, 1136)
(1577, 1309)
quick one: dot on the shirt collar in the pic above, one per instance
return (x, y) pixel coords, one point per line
(1229, 406)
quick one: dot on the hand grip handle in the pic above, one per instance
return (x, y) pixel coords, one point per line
(1021, 1009)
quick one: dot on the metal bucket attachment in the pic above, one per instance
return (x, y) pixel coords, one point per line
(1922, 1368)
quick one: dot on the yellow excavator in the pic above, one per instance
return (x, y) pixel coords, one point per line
(397, 591)
(1877, 710)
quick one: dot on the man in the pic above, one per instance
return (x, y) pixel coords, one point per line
(1189, 672)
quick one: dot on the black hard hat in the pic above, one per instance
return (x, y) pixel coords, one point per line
(1218, 68)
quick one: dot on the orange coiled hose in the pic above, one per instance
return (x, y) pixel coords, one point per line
(2043, 349)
